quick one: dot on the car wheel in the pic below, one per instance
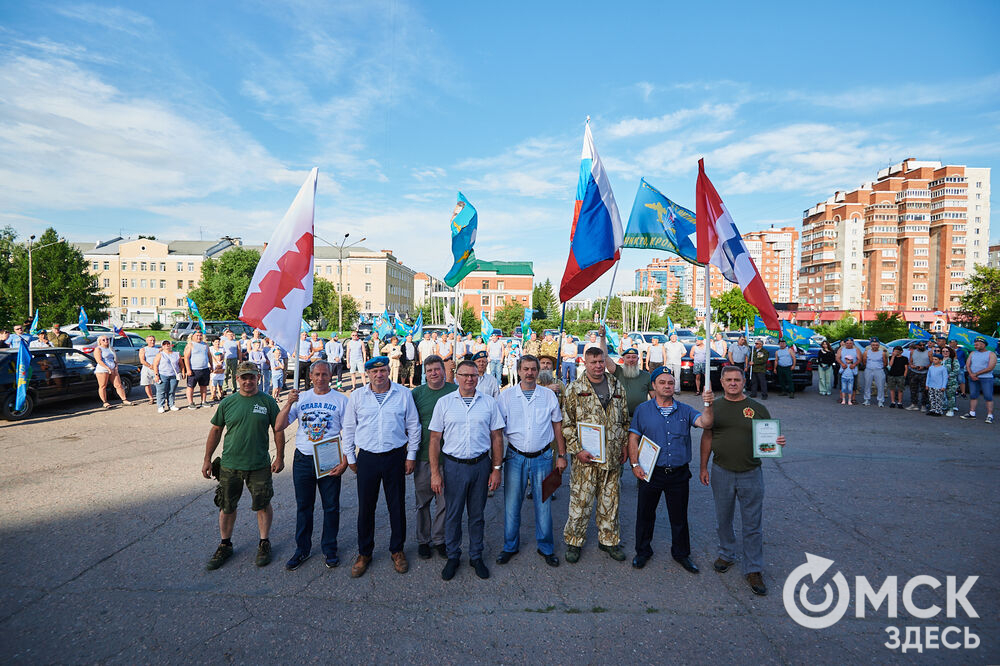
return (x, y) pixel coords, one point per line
(126, 385)
(7, 407)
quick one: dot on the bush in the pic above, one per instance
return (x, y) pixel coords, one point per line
(156, 325)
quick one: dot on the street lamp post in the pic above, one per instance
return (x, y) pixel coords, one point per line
(31, 289)
(340, 275)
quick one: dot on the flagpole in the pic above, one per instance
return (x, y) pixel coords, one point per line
(562, 321)
(708, 334)
(611, 290)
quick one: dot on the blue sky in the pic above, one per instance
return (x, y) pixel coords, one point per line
(190, 120)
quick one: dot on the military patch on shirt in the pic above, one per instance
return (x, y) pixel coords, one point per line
(748, 412)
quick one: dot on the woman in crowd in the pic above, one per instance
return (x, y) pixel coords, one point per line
(217, 378)
(950, 362)
(395, 354)
(826, 358)
(167, 371)
(937, 382)
(107, 371)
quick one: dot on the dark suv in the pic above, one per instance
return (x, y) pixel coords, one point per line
(213, 329)
(55, 374)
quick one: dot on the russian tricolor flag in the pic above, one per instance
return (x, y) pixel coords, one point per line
(597, 234)
(720, 244)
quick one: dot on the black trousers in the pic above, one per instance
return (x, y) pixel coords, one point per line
(758, 382)
(674, 487)
(304, 374)
(389, 471)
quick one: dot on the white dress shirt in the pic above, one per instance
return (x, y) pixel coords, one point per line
(674, 352)
(381, 428)
(466, 428)
(529, 422)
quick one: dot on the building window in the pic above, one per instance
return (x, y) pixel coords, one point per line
(190, 267)
(163, 285)
(124, 302)
(180, 284)
(163, 302)
(142, 284)
(180, 266)
(180, 302)
(163, 267)
(135, 301)
(329, 269)
(124, 283)
(190, 285)
(95, 265)
(500, 285)
(135, 265)
(368, 286)
(107, 265)
(152, 266)
(486, 300)
(368, 269)
(486, 284)
(143, 300)
(142, 266)
(132, 283)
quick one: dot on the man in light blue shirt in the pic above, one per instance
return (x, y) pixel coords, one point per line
(495, 352)
(233, 356)
(335, 356)
(381, 439)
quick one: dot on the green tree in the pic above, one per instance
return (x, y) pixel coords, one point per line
(846, 327)
(733, 308)
(509, 317)
(614, 310)
(470, 322)
(543, 297)
(887, 327)
(325, 306)
(981, 300)
(680, 312)
(61, 279)
(224, 283)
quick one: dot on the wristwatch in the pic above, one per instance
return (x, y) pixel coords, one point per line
(497, 467)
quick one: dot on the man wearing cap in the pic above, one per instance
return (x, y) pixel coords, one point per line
(57, 338)
(532, 420)
(487, 382)
(426, 348)
(446, 350)
(533, 347)
(356, 359)
(920, 361)
(334, 349)
(632, 377)
(596, 398)
(667, 423)
(550, 346)
(494, 351)
(320, 413)
(654, 355)
(980, 365)
(875, 360)
(381, 440)
(758, 369)
(472, 428)
(233, 356)
(245, 416)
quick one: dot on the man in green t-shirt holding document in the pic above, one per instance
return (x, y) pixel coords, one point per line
(736, 476)
(246, 417)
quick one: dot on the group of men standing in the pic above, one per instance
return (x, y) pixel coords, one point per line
(450, 436)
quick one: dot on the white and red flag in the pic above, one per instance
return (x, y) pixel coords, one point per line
(282, 285)
(720, 244)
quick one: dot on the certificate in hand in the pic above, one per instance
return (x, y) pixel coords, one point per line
(648, 454)
(592, 440)
(765, 438)
(326, 456)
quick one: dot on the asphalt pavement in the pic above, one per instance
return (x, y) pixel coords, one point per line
(107, 525)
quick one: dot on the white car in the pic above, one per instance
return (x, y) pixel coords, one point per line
(74, 329)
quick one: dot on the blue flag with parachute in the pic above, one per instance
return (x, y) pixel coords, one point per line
(418, 327)
(485, 327)
(381, 326)
(34, 324)
(918, 333)
(671, 329)
(614, 342)
(464, 222)
(529, 314)
(21, 374)
(966, 337)
(657, 223)
(193, 308)
(799, 336)
(83, 321)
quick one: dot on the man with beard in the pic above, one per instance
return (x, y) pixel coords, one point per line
(635, 380)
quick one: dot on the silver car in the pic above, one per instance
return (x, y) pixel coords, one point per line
(127, 346)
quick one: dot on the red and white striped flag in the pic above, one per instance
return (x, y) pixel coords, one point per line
(720, 244)
(282, 285)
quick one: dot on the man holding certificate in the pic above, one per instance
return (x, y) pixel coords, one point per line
(533, 419)
(318, 462)
(736, 473)
(595, 423)
(659, 448)
(381, 439)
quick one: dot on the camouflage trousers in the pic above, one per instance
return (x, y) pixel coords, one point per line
(587, 483)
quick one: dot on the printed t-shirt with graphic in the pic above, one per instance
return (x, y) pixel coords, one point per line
(247, 420)
(320, 417)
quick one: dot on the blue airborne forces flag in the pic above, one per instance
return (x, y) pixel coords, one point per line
(796, 335)
(966, 337)
(464, 222)
(485, 327)
(918, 333)
(657, 223)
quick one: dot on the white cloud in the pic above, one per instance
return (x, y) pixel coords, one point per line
(903, 95)
(112, 18)
(70, 140)
(670, 121)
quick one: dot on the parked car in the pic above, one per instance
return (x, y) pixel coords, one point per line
(56, 374)
(74, 329)
(802, 373)
(213, 329)
(127, 346)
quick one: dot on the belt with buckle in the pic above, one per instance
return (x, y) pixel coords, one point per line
(670, 470)
(466, 461)
(527, 455)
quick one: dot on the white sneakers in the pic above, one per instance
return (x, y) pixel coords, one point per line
(175, 408)
(160, 410)
(950, 412)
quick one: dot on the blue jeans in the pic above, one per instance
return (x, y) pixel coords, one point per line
(496, 369)
(518, 470)
(747, 488)
(568, 371)
(305, 481)
(165, 391)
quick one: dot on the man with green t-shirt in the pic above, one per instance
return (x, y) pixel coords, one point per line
(635, 380)
(736, 476)
(245, 416)
(430, 531)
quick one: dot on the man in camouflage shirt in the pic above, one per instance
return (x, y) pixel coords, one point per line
(550, 346)
(533, 346)
(597, 398)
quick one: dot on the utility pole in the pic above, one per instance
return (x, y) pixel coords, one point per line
(340, 274)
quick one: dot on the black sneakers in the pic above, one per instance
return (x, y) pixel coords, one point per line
(222, 553)
(263, 553)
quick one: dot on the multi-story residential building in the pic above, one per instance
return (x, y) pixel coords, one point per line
(150, 279)
(905, 241)
(376, 279)
(424, 287)
(774, 252)
(495, 283)
(666, 275)
(993, 260)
